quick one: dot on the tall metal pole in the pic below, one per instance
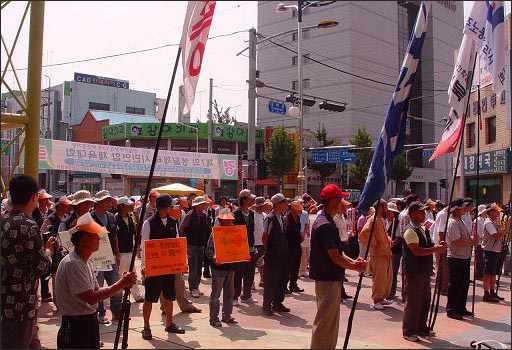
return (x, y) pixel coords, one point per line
(49, 133)
(210, 130)
(300, 175)
(35, 61)
(251, 134)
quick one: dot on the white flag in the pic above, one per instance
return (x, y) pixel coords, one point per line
(193, 43)
(486, 26)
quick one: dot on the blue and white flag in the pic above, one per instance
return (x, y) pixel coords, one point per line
(486, 26)
(392, 136)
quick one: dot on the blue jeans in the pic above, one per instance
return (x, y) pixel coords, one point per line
(195, 263)
(222, 280)
(115, 300)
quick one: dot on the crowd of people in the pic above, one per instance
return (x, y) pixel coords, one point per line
(288, 239)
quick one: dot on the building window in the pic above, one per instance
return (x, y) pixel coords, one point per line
(99, 106)
(306, 83)
(305, 59)
(470, 135)
(136, 110)
(490, 126)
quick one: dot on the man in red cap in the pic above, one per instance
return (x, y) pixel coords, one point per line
(326, 266)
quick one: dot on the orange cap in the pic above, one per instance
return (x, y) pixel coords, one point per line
(87, 224)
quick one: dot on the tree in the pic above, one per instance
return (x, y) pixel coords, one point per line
(280, 154)
(359, 170)
(325, 170)
(401, 170)
(221, 115)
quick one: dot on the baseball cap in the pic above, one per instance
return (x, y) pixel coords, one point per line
(277, 198)
(259, 201)
(43, 194)
(87, 224)
(457, 203)
(246, 193)
(225, 214)
(124, 200)
(417, 206)
(332, 191)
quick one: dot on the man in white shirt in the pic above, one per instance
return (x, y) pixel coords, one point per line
(479, 254)
(259, 228)
(342, 226)
(439, 235)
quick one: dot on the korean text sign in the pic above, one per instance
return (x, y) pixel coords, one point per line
(102, 257)
(165, 256)
(231, 244)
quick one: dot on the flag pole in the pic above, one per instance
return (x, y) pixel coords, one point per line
(434, 306)
(477, 196)
(361, 274)
(125, 308)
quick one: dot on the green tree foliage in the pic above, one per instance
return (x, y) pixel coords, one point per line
(281, 153)
(401, 170)
(221, 115)
(359, 170)
(325, 170)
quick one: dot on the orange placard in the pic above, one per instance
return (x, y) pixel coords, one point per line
(165, 256)
(230, 243)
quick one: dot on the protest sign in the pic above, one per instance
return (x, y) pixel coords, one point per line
(165, 256)
(230, 243)
(102, 257)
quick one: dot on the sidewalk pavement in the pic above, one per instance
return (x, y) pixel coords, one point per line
(371, 329)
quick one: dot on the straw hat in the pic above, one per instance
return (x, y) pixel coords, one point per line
(81, 197)
(101, 195)
(392, 206)
(198, 201)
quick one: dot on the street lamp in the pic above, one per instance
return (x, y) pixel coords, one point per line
(197, 134)
(301, 6)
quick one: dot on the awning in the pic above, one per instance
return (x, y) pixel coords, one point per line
(178, 189)
(266, 182)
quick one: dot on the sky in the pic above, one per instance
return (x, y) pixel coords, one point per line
(85, 29)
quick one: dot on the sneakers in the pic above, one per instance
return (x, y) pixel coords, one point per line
(194, 293)
(386, 302)
(377, 306)
(215, 323)
(413, 338)
(235, 302)
(249, 300)
(174, 328)
(296, 289)
(146, 334)
(103, 320)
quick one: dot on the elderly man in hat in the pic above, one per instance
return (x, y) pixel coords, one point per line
(326, 264)
(379, 257)
(110, 273)
(492, 243)
(126, 228)
(160, 226)
(244, 271)
(259, 227)
(292, 228)
(196, 229)
(150, 206)
(21, 268)
(460, 242)
(81, 204)
(276, 250)
(418, 250)
(77, 289)
(43, 207)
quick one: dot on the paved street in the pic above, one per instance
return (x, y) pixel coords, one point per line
(371, 329)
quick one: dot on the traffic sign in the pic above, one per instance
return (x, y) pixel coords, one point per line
(332, 156)
(427, 153)
(277, 107)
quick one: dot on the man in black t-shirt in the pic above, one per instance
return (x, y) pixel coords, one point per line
(325, 267)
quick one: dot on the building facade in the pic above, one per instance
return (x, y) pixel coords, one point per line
(366, 49)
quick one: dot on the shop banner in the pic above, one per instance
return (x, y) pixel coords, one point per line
(230, 244)
(165, 256)
(102, 257)
(221, 132)
(89, 157)
(494, 162)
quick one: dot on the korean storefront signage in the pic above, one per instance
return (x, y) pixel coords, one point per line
(88, 157)
(490, 162)
(93, 79)
(172, 130)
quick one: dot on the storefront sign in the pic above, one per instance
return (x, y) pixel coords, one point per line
(231, 244)
(93, 79)
(165, 256)
(490, 162)
(173, 130)
(88, 157)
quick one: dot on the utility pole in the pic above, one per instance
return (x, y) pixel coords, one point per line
(300, 175)
(251, 135)
(210, 128)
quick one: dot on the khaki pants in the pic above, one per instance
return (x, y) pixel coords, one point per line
(304, 260)
(179, 288)
(382, 276)
(327, 319)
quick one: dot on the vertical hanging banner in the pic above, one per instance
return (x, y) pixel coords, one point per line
(198, 21)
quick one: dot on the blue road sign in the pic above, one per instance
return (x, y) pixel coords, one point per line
(277, 107)
(427, 153)
(332, 156)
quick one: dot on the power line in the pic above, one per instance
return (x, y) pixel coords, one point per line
(129, 52)
(344, 71)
